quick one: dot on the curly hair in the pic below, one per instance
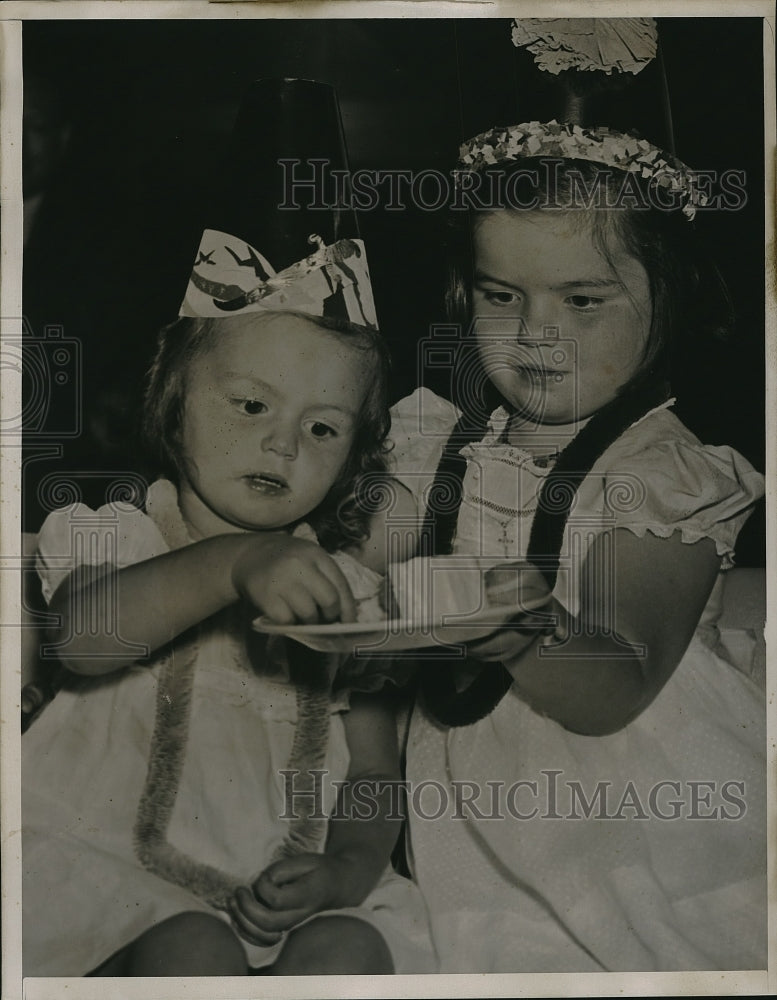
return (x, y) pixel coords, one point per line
(339, 520)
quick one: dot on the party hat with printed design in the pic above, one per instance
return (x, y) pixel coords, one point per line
(275, 236)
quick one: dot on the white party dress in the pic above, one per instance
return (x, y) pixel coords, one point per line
(541, 850)
(159, 788)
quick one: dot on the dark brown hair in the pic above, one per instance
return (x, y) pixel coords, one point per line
(690, 301)
(679, 279)
(339, 520)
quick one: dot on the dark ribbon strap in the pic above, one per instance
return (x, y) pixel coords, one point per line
(461, 708)
(575, 462)
(437, 677)
(445, 494)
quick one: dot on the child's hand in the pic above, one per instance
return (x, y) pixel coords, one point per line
(285, 894)
(509, 641)
(515, 586)
(292, 580)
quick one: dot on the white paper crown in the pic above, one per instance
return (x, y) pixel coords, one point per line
(626, 152)
(598, 44)
(229, 277)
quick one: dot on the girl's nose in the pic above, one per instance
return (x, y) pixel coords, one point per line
(538, 324)
(281, 441)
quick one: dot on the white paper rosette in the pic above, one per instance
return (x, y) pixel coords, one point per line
(603, 44)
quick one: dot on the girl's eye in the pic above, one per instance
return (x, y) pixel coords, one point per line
(251, 406)
(586, 303)
(500, 298)
(319, 430)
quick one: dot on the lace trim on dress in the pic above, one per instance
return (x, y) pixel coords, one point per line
(168, 750)
(498, 508)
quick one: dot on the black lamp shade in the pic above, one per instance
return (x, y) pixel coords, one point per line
(277, 185)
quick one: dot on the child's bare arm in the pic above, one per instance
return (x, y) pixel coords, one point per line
(600, 681)
(289, 579)
(394, 532)
(362, 833)
(370, 805)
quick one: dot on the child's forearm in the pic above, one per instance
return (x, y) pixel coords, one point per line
(363, 832)
(121, 616)
(590, 684)
(593, 682)
(368, 817)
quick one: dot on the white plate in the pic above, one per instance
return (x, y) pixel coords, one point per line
(398, 634)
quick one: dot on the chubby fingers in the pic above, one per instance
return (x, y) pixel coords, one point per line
(259, 924)
(287, 893)
(506, 642)
(494, 648)
(303, 599)
(322, 594)
(515, 583)
(342, 605)
(279, 610)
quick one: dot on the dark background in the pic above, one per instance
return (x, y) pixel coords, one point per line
(150, 105)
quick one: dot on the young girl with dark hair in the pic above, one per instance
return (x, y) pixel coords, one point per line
(602, 765)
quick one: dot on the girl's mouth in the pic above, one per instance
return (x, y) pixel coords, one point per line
(541, 374)
(269, 485)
